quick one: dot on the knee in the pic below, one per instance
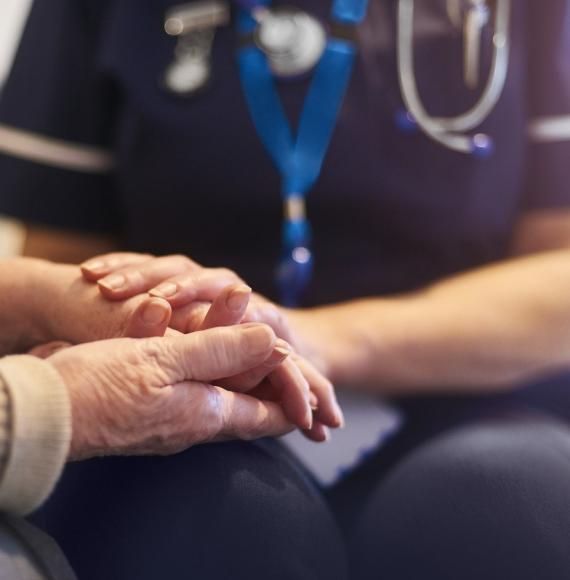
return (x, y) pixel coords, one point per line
(259, 511)
(505, 462)
(231, 510)
(490, 500)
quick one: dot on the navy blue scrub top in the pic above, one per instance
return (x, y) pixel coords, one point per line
(391, 211)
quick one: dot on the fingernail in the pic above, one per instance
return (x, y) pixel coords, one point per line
(313, 401)
(283, 345)
(258, 338)
(154, 313)
(94, 266)
(238, 298)
(278, 355)
(165, 290)
(339, 416)
(308, 420)
(114, 282)
(327, 434)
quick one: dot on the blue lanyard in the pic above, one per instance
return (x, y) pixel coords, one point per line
(298, 160)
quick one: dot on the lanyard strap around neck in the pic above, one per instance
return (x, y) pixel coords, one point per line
(299, 158)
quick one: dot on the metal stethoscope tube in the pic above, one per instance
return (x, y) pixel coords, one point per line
(449, 131)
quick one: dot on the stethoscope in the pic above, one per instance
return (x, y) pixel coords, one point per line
(293, 41)
(285, 43)
(451, 131)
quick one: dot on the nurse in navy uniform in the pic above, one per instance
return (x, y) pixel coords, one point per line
(421, 231)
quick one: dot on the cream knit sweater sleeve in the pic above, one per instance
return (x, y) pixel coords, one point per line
(35, 432)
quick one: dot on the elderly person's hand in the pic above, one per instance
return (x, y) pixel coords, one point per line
(186, 285)
(61, 305)
(159, 395)
(66, 308)
(190, 290)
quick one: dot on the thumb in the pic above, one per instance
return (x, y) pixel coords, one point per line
(229, 307)
(150, 318)
(208, 355)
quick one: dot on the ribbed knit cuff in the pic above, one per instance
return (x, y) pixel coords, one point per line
(39, 432)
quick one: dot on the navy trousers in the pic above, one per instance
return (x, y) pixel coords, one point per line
(219, 511)
(472, 488)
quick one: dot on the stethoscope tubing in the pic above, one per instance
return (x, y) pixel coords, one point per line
(448, 130)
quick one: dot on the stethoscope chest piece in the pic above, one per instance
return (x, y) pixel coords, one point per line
(292, 40)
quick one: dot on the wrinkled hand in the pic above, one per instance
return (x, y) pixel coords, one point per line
(187, 286)
(201, 298)
(71, 309)
(295, 383)
(159, 395)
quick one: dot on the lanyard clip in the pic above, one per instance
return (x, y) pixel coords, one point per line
(194, 27)
(295, 267)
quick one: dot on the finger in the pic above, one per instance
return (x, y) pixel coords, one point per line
(49, 348)
(210, 355)
(287, 386)
(189, 318)
(204, 284)
(249, 418)
(131, 280)
(251, 379)
(261, 310)
(322, 399)
(288, 380)
(95, 268)
(327, 410)
(318, 433)
(150, 318)
(228, 308)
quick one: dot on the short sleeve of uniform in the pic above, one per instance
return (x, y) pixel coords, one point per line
(547, 181)
(57, 113)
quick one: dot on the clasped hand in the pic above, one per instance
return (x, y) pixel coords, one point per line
(223, 369)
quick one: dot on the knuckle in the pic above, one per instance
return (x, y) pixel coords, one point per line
(180, 417)
(135, 278)
(120, 259)
(273, 313)
(270, 314)
(155, 360)
(214, 412)
(183, 261)
(226, 273)
(111, 259)
(208, 423)
(189, 280)
(253, 313)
